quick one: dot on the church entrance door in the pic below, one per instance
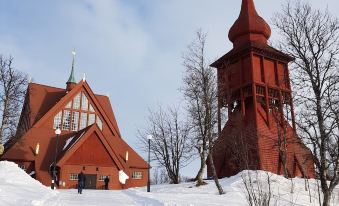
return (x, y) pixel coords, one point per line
(90, 181)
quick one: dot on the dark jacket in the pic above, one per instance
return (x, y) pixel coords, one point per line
(81, 177)
(106, 180)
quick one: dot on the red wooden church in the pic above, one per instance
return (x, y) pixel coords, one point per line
(90, 140)
(254, 86)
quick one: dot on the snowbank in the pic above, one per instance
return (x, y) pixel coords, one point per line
(19, 189)
(285, 192)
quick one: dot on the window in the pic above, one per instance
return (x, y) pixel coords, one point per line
(91, 109)
(83, 120)
(102, 177)
(57, 121)
(69, 105)
(75, 121)
(66, 120)
(137, 175)
(73, 176)
(99, 123)
(91, 119)
(76, 103)
(84, 102)
(77, 114)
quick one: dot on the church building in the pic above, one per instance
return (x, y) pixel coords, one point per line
(89, 139)
(254, 89)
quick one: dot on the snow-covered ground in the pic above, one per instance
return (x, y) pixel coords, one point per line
(19, 189)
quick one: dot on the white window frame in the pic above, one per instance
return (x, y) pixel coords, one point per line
(102, 177)
(66, 120)
(91, 118)
(76, 101)
(69, 105)
(84, 102)
(75, 120)
(73, 176)
(137, 175)
(57, 120)
(83, 120)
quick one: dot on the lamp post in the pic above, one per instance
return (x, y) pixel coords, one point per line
(57, 132)
(149, 138)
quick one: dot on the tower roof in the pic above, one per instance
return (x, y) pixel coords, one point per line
(249, 26)
(71, 78)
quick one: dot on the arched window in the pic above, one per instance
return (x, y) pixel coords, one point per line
(77, 115)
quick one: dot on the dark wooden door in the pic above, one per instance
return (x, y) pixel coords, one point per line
(90, 181)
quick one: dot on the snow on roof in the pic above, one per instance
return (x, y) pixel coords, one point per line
(75, 140)
(69, 140)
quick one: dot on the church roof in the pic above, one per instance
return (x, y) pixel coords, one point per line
(42, 98)
(257, 47)
(249, 26)
(44, 102)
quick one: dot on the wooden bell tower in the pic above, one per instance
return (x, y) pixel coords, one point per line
(254, 88)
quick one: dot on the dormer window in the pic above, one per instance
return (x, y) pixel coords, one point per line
(77, 115)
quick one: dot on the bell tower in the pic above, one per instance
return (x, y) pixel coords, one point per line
(254, 88)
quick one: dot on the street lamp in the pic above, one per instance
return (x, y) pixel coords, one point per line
(149, 138)
(57, 132)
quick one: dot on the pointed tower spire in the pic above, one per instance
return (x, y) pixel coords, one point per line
(249, 27)
(71, 80)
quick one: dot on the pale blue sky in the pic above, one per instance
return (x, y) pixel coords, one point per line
(129, 49)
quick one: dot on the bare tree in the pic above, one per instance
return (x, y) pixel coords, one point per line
(13, 85)
(200, 92)
(170, 145)
(257, 189)
(311, 36)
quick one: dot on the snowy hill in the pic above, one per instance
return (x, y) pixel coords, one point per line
(19, 189)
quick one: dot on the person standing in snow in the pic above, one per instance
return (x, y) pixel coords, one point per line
(106, 180)
(81, 180)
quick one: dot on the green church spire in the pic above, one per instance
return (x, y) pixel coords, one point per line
(71, 78)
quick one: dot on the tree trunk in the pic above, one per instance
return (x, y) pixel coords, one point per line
(215, 176)
(327, 198)
(199, 177)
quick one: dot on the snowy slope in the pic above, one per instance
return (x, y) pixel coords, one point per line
(17, 189)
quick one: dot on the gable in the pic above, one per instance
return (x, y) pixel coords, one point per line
(91, 152)
(81, 137)
(78, 113)
(102, 114)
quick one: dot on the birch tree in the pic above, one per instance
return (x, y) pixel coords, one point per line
(200, 92)
(13, 85)
(311, 36)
